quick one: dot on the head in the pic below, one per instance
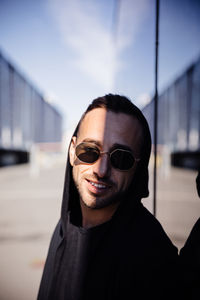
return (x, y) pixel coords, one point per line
(114, 128)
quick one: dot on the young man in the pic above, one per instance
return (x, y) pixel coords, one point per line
(106, 244)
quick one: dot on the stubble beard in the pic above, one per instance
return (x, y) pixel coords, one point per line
(97, 202)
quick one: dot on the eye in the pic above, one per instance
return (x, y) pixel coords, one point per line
(122, 160)
(87, 153)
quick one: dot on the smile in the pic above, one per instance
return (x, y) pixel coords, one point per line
(97, 187)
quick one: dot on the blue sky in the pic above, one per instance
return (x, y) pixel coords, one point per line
(74, 51)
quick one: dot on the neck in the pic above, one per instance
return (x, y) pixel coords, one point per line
(92, 217)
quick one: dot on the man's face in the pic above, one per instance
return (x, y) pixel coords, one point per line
(100, 184)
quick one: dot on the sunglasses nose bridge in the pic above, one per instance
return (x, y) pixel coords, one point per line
(104, 152)
(102, 166)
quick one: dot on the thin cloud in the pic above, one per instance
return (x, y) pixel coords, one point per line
(131, 17)
(83, 30)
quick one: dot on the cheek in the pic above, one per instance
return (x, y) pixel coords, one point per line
(123, 180)
(78, 170)
(85, 169)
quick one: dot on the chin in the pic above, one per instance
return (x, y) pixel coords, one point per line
(102, 203)
(90, 204)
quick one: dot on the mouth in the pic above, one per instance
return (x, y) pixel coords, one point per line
(97, 187)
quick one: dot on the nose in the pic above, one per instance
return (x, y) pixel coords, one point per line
(102, 167)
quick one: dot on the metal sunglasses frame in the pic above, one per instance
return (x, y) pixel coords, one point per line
(136, 160)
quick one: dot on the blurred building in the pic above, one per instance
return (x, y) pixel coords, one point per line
(25, 117)
(179, 118)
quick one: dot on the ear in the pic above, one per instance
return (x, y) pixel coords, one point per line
(72, 150)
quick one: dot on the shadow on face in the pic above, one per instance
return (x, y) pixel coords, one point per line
(107, 131)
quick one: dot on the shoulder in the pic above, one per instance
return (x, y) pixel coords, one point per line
(149, 224)
(149, 233)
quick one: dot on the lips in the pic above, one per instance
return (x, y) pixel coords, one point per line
(97, 187)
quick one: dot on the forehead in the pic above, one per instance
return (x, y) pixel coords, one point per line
(108, 128)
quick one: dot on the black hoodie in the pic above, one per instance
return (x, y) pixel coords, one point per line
(128, 257)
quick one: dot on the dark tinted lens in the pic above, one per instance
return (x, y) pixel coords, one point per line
(87, 153)
(122, 160)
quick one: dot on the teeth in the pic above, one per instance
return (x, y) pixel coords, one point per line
(100, 186)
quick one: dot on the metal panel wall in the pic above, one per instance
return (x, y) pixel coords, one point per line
(179, 112)
(25, 117)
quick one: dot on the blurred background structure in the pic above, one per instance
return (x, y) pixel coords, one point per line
(55, 57)
(26, 119)
(179, 119)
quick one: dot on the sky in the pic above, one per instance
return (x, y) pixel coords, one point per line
(76, 50)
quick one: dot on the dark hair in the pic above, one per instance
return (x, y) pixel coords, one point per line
(121, 104)
(115, 103)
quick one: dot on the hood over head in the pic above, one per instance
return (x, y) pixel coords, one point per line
(139, 186)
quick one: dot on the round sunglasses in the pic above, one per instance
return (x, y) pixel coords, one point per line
(120, 159)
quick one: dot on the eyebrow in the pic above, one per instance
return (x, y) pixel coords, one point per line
(114, 146)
